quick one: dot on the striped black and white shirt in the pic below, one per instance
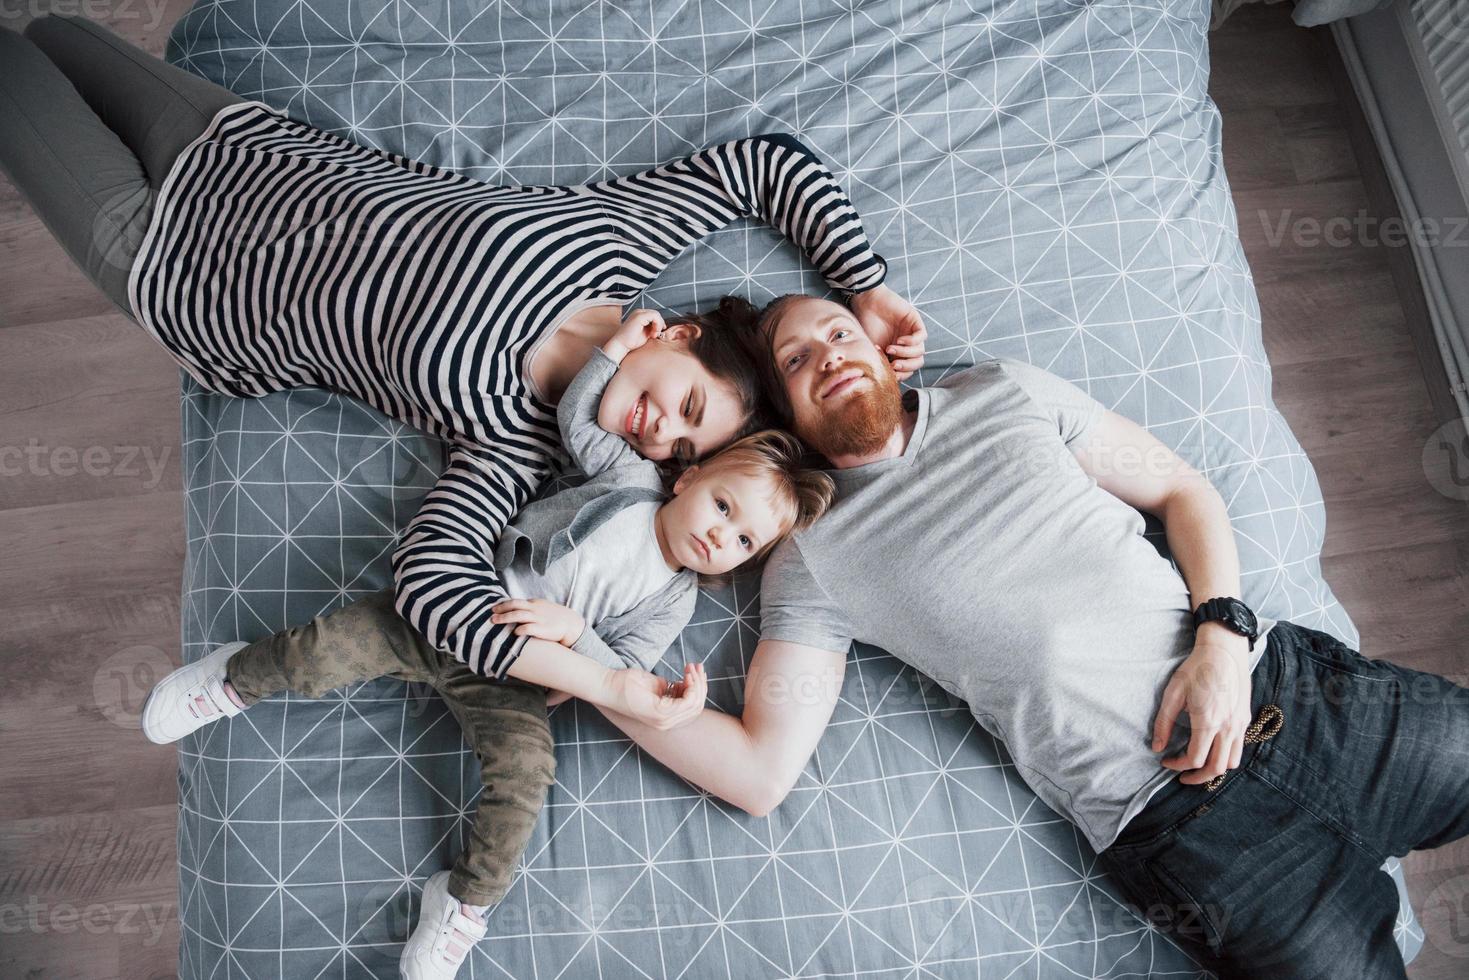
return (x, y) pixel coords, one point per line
(280, 255)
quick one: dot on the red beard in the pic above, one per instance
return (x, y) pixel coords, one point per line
(861, 422)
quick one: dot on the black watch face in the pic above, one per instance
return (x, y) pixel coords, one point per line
(1242, 615)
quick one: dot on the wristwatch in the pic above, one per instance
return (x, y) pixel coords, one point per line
(1232, 613)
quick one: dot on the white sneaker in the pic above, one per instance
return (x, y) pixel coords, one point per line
(190, 698)
(443, 937)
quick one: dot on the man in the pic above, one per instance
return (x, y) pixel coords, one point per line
(1243, 779)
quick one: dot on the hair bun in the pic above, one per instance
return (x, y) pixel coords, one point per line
(737, 313)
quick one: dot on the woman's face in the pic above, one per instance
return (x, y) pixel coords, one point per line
(666, 404)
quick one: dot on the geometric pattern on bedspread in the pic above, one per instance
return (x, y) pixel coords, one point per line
(1044, 179)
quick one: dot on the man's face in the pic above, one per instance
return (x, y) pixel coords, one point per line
(844, 397)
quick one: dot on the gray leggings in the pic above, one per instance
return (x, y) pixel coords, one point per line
(89, 127)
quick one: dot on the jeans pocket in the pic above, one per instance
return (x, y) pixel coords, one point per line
(1327, 651)
(1180, 911)
(1137, 886)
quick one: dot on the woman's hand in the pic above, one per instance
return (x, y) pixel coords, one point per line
(554, 698)
(658, 703)
(893, 324)
(640, 327)
(541, 619)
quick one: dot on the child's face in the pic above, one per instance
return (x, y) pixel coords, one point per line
(718, 518)
(667, 405)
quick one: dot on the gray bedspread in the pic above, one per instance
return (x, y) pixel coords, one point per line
(1044, 177)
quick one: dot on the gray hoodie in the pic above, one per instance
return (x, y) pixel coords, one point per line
(550, 529)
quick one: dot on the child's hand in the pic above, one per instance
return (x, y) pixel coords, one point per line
(656, 702)
(640, 327)
(893, 324)
(695, 685)
(542, 619)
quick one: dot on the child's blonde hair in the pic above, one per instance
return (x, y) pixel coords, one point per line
(800, 493)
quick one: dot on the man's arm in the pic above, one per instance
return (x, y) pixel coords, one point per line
(659, 704)
(1130, 463)
(1213, 685)
(753, 760)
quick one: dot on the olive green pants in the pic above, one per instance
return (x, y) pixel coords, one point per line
(503, 721)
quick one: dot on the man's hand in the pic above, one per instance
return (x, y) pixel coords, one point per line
(640, 327)
(658, 703)
(541, 619)
(1213, 686)
(893, 324)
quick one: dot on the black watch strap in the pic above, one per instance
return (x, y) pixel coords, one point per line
(1232, 612)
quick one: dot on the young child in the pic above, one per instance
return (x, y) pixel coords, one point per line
(606, 577)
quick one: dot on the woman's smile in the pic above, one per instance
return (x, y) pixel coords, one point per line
(637, 417)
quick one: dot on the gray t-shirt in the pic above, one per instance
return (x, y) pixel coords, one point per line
(988, 559)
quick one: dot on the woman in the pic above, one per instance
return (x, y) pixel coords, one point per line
(266, 254)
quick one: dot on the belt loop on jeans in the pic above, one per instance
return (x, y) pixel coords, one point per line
(1265, 727)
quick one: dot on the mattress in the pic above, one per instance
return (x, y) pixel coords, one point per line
(1044, 178)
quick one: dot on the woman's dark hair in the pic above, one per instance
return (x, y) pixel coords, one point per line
(729, 348)
(734, 344)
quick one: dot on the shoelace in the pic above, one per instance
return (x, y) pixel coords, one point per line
(1265, 727)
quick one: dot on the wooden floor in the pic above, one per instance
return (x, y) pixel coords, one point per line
(91, 577)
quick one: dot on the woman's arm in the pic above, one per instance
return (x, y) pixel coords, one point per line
(753, 761)
(775, 178)
(779, 180)
(445, 581)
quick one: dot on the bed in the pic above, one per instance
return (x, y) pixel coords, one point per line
(1044, 178)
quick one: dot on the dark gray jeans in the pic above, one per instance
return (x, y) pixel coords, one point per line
(89, 127)
(1278, 871)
